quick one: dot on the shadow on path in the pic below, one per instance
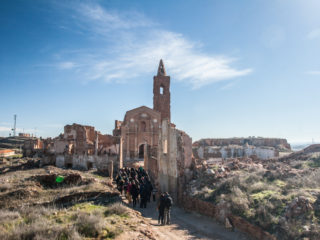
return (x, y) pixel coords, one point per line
(186, 225)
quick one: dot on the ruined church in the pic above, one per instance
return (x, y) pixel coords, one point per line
(145, 136)
(148, 134)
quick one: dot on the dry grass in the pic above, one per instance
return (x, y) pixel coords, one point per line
(6, 215)
(117, 209)
(36, 212)
(90, 224)
(41, 229)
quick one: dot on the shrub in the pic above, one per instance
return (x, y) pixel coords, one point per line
(315, 163)
(41, 229)
(116, 208)
(31, 214)
(90, 225)
(6, 215)
(239, 202)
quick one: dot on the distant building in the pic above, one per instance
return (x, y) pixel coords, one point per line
(24, 134)
(7, 152)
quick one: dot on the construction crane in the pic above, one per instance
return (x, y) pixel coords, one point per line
(14, 125)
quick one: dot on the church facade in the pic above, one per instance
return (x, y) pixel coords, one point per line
(148, 134)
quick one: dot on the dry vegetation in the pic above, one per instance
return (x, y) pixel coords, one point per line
(282, 197)
(84, 206)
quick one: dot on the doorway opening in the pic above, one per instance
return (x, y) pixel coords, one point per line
(141, 151)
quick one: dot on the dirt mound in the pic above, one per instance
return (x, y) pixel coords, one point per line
(10, 198)
(303, 154)
(312, 148)
(56, 180)
(94, 196)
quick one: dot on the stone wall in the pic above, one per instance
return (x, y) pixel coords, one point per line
(234, 151)
(174, 159)
(210, 210)
(254, 141)
(85, 162)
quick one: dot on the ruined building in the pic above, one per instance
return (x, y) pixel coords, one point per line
(80, 147)
(147, 134)
(253, 147)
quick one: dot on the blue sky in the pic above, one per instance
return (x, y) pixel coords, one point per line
(238, 68)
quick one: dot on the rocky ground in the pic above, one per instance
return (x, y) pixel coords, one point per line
(36, 204)
(282, 196)
(33, 205)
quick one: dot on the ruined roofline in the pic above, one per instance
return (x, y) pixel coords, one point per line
(241, 138)
(142, 107)
(77, 124)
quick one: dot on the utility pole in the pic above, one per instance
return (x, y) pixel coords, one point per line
(14, 125)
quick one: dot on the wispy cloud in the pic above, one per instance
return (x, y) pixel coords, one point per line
(4, 129)
(103, 20)
(313, 72)
(9, 129)
(315, 33)
(133, 46)
(228, 85)
(66, 65)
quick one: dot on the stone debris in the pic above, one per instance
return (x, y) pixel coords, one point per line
(299, 206)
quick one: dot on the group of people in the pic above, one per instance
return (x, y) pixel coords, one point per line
(135, 184)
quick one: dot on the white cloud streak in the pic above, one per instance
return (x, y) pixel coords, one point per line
(4, 129)
(134, 46)
(314, 34)
(313, 72)
(66, 65)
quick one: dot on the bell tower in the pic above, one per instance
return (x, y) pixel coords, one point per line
(161, 92)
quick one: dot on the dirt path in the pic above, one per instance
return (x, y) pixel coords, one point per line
(185, 225)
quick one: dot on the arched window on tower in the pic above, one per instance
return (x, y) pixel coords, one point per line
(143, 126)
(161, 90)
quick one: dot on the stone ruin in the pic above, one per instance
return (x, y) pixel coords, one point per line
(217, 150)
(146, 137)
(79, 147)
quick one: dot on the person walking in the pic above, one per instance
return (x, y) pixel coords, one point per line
(143, 196)
(161, 206)
(129, 191)
(149, 189)
(168, 203)
(134, 193)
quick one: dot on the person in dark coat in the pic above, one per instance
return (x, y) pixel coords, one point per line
(143, 196)
(168, 204)
(161, 206)
(149, 189)
(134, 193)
(121, 185)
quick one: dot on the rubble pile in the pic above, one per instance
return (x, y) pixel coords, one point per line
(298, 207)
(281, 196)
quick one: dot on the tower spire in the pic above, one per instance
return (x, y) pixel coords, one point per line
(161, 69)
(161, 92)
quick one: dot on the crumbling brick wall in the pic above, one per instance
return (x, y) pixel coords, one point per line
(254, 141)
